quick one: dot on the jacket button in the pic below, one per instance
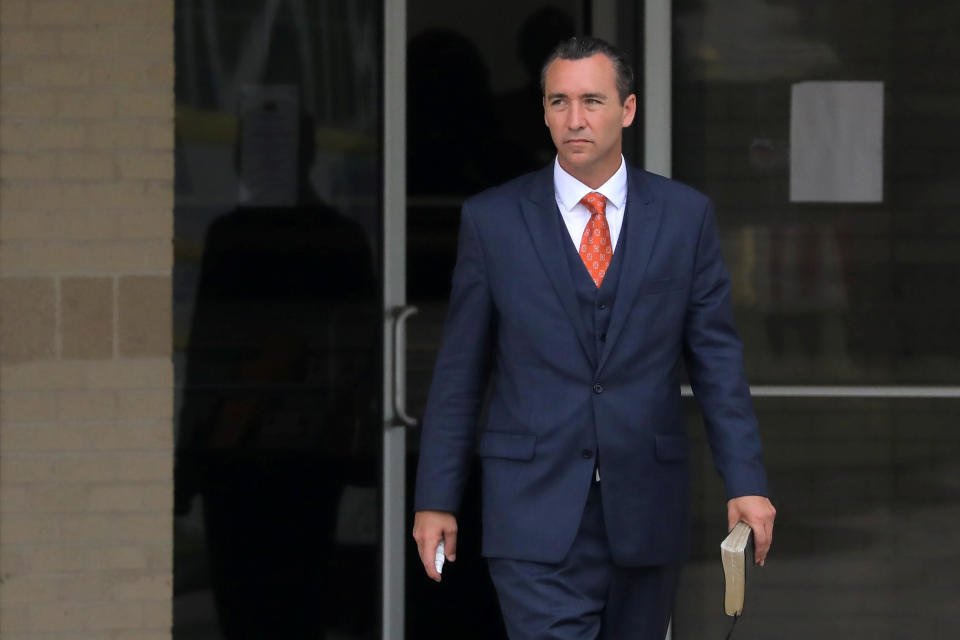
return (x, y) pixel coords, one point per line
(598, 388)
(587, 453)
(601, 306)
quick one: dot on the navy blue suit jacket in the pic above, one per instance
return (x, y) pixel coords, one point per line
(514, 320)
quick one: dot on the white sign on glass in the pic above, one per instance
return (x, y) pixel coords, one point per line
(836, 142)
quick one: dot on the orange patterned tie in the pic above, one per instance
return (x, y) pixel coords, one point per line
(596, 250)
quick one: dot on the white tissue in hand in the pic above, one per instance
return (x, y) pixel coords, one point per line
(439, 558)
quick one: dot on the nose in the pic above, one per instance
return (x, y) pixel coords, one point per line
(575, 119)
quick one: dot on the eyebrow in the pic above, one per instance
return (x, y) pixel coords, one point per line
(551, 96)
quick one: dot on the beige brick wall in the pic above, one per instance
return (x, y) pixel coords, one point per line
(86, 402)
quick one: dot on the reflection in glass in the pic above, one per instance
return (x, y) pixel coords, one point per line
(278, 320)
(828, 292)
(833, 293)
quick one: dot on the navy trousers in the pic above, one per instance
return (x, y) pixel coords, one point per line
(585, 596)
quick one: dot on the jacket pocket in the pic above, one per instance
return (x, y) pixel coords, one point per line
(670, 448)
(512, 446)
(660, 285)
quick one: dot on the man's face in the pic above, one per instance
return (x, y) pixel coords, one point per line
(582, 108)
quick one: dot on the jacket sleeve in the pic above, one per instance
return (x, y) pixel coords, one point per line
(714, 359)
(449, 425)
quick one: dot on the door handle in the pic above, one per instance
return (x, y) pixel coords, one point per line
(400, 416)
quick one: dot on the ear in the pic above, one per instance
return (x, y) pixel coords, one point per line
(544, 103)
(629, 110)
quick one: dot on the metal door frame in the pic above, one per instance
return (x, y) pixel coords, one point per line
(393, 489)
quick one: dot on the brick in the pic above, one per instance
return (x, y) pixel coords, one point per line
(160, 136)
(28, 166)
(29, 43)
(88, 587)
(131, 436)
(160, 556)
(59, 616)
(14, 13)
(87, 225)
(36, 135)
(27, 319)
(31, 257)
(130, 374)
(27, 406)
(75, 405)
(145, 403)
(121, 557)
(120, 72)
(56, 12)
(26, 104)
(89, 104)
(57, 499)
(146, 166)
(158, 615)
(115, 615)
(13, 500)
(57, 73)
(145, 316)
(116, 498)
(13, 619)
(85, 166)
(25, 470)
(131, 13)
(86, 43)
(87, 311)
(142, 528)
(161, 73)
(115, 467)
(59, 559)
(141, 587)
(30, 528)
(145, 104)
(20, 589)
(23, 197)
(116, 135)
(150, 42)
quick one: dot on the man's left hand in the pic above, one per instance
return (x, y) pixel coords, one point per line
(758, 512)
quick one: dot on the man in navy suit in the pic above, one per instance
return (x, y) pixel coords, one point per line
(579, 293)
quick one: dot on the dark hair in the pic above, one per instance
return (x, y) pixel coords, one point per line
(580, 47)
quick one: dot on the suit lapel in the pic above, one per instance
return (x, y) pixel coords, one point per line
(643, 222)
(543, 222)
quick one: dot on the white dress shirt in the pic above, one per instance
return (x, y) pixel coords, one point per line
(569, 191)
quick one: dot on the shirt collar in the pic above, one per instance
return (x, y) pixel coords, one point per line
(570, 191)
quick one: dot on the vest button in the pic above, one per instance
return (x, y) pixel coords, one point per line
(598, 388)
(587, 453)
(601, 306)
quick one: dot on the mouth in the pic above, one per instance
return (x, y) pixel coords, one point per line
(578, 141)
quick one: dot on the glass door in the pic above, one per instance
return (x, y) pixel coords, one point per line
(282, 481)
(827, 135)
(475, 119)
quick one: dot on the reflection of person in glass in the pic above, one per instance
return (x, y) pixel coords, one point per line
(279, 408)
(583, 289)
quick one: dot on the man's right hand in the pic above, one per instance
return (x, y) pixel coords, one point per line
(429, 528)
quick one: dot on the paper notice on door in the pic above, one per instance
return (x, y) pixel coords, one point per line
(836, 142)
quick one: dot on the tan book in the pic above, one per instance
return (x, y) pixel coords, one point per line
(736, 552)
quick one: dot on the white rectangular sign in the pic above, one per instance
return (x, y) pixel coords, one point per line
(836, 142)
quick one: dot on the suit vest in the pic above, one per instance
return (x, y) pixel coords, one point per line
(596, 303)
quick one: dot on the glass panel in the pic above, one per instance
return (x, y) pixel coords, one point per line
(475, 120)
(278, 319)
(832, 291)
(865, 545)
(829, 291)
